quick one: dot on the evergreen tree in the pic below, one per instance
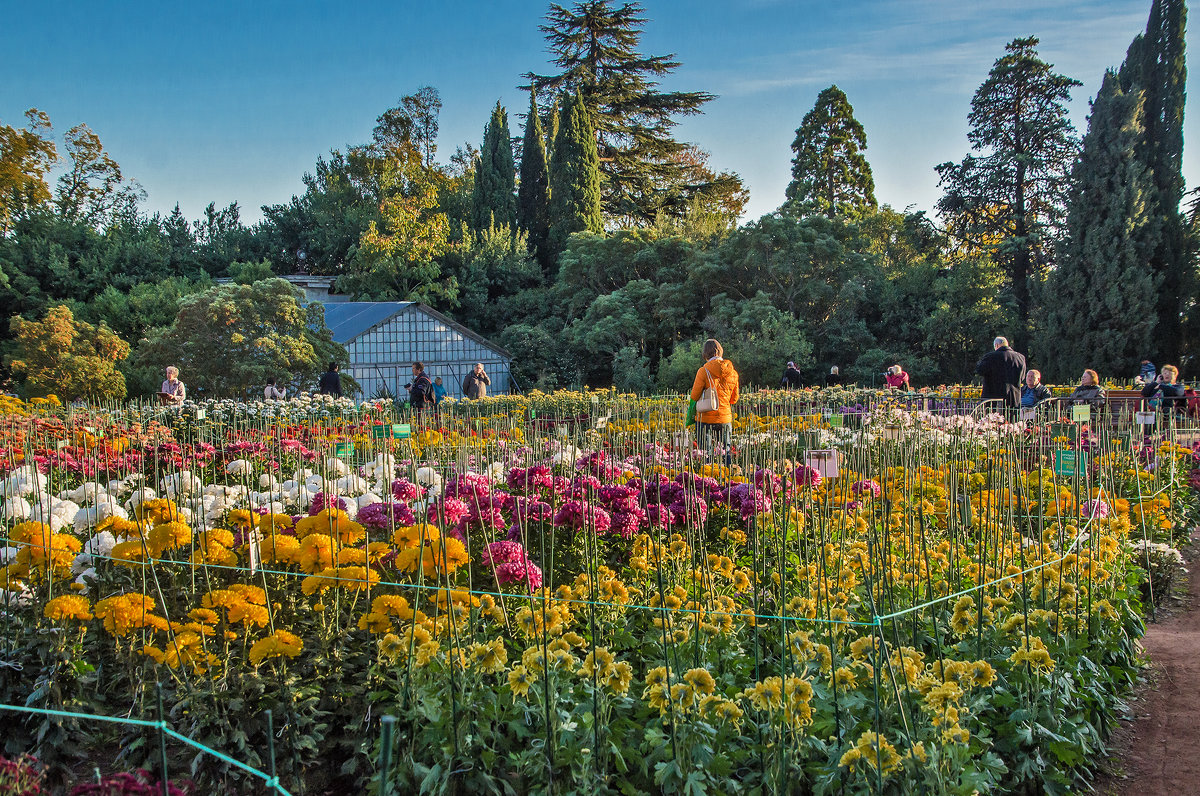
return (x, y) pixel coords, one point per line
(1155, 64)
(1100, 311)
(830, 174)
(533, 196)
(645, 171)
(1009, 201)
(493, 201)
(574, 176)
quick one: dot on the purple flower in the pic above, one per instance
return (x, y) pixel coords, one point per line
(403, 489)
(868, 485)
(502, 553)
(1094, 508)
(322, 501)
(807, 476)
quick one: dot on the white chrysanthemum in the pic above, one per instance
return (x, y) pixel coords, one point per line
(336, 467)
(368, 499)
(239, 467)
(430, 479)
(495, 472)
(268, 481)
(84, 580)
(350, 485)
(101, 544)
(15, 508)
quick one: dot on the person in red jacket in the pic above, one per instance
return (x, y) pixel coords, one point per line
(715, 427)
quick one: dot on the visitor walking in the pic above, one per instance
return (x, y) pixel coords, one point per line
(1003, 371)
(715, 426)
(1034, 392)
(172, 392)
(331, 381)
(273, 393)
(791, 377)
(476, 383)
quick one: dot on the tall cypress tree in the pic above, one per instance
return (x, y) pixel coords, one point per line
(574, 177)
(830, 174)
(1156, 65)
(1101, 299)
(493, 201)
(533, 195)
(644, 170)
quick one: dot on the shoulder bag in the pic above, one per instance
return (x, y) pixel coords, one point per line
(708, 399)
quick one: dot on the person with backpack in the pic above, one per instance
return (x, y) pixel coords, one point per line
(420, 390)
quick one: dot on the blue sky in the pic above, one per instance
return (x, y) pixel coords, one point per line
(223, 102)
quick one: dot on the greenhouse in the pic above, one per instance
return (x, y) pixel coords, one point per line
(384, 338)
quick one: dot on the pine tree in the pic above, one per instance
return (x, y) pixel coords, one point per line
(574, 176)
(1100, 308)
(493, 201)
(1155, 64)
(533, 196)
(644, 171)
(830, 174)
(1009, 201)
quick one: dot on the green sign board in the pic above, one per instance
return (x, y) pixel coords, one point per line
(1069, 462)
(835, 420)
(343, 449)
(1081, 413)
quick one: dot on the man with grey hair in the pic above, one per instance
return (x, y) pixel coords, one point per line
(1003, 372)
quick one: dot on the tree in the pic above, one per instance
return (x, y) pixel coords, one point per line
(1014, 193)
(595, 44)
(830, 175)
(93, 191)
(574, 177)
(1156, 66)
(411, 124)
(493, 201)
(533, 194)
(229, 339)
(1101, 299)
(26, 157)
(67, 357)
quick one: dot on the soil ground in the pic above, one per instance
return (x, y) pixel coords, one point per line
(1156, 752)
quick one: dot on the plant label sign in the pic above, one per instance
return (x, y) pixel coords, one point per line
(824, 461)
(1069, 462)
(835, 420)
(1081, 414)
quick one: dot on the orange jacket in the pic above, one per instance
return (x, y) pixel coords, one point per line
(725, 380)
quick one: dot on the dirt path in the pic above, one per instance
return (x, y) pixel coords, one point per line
(1159, 751)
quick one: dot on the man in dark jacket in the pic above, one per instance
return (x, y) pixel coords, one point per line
(1003, 372)
(791, 377)
(331, 382)
(420, 389)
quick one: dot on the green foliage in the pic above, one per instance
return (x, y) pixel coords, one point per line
(249, 273)
(26, 157)
(68, 358)
(533, 194)
(493, 201)
(830, 174)
(487, 267)
(1008, 202)
(1100, 301)
(227, 340)
(757, 337)
(574, 176)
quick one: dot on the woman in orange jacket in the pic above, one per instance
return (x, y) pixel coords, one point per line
(716, 427)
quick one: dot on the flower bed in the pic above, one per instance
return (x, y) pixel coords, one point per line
(602, 611)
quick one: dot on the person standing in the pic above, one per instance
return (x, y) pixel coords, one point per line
(1003, 371)
(791, 377)
(897, 379)
(273, 393)
(1034, 392)
(331, 381)
(715, 427)
(420, 389)
(476, 383)
(172, 392)
(834, 379)
(439, 391)
(1146, 373)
